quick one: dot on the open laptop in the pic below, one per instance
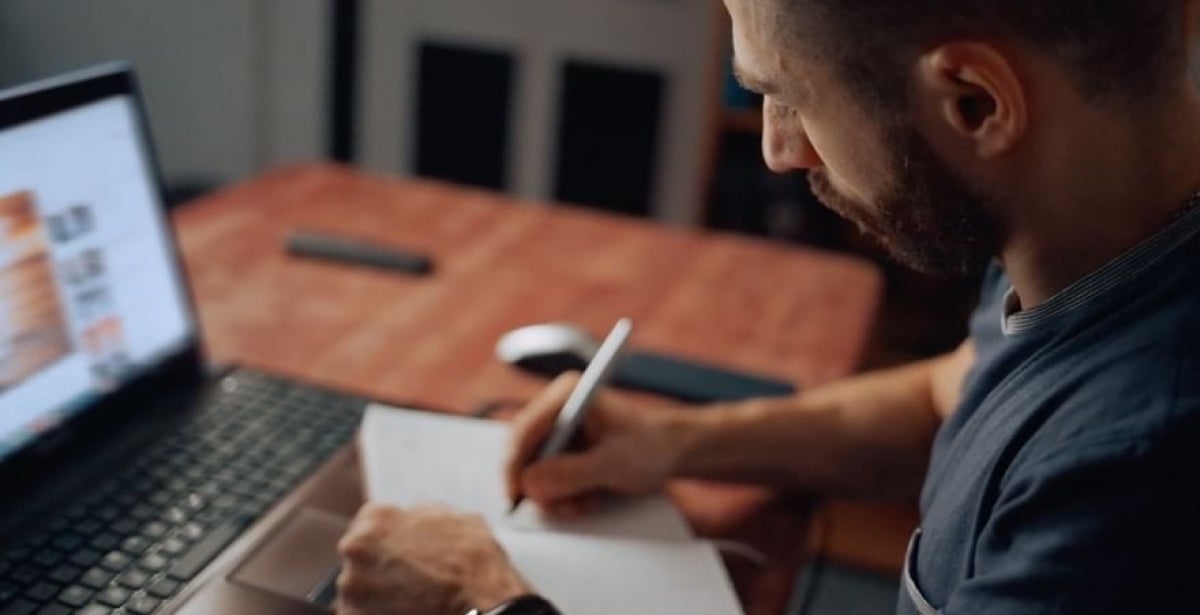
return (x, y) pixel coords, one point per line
(136, 480)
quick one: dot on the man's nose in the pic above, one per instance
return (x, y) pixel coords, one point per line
(785, 144)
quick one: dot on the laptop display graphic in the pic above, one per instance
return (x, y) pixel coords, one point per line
(89, 293)
(33, 325)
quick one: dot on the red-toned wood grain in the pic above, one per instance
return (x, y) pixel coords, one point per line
(782, 310)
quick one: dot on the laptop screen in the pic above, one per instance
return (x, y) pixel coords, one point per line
(89, 293)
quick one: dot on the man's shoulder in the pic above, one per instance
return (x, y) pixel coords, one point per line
(1142, 424)
(1125, 388)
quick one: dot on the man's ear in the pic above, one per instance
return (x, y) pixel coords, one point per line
(977, 92)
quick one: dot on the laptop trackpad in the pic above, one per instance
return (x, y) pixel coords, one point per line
(299, 561)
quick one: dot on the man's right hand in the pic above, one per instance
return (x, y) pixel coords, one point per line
(625, 449)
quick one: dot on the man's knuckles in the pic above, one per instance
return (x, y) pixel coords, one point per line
(379, 515)
(361, 543)
(355, 587)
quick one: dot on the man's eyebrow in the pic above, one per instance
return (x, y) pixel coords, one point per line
(749, 82)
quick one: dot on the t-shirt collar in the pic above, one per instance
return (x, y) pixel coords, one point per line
(1117, 273)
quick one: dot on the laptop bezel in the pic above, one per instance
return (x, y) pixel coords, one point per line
(184, 368)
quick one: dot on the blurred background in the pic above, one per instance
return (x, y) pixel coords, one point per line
(622, 105)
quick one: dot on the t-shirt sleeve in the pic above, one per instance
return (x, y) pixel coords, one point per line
(1111, 528)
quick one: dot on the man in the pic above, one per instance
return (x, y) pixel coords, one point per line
(1055, 143)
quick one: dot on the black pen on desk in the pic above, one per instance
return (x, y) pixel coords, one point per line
(574, 412)
(333, 248)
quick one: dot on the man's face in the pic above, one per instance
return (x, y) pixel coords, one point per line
(878, 172)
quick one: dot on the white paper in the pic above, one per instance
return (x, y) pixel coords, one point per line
(587, 576)
(636, 557)
(413, 458)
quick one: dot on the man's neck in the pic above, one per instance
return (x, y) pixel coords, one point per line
(1134, 182)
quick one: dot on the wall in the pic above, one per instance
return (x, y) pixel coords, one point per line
(232, 86)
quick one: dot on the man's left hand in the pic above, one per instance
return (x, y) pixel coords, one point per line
(425, 561)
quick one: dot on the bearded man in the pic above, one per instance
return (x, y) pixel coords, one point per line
(1053, 145)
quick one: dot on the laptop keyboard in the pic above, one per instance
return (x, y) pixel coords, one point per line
(132, 543)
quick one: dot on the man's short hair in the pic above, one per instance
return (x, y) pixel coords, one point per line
(1121, 51)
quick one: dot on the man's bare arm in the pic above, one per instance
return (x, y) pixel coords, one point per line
(869, 435)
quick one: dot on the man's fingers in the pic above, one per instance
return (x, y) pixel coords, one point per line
(575, 508)
(354, 586)
(566, 476)
(360, 544)
(531, 427)
(359, 549)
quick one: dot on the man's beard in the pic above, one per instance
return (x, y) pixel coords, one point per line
(928, 218)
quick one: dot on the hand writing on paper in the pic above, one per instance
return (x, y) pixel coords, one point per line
(626, 449)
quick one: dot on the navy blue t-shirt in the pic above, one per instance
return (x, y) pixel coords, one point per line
(1068, 479)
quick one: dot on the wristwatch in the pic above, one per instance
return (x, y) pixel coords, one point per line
(523, 605)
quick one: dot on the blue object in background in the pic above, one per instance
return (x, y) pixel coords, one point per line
(737, 97)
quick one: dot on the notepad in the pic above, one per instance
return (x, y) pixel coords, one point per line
(635, 556)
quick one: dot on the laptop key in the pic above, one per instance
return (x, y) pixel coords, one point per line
(96, 578)
(94, 609)
(64, 574)
(224, 502)
(154, 562)
(203, 552)
(174, 515)
(154, 529)
(89, 527)
(192, 531)
(54, 609)
(141, 512)
(135, 545)
(85, 557)
(163, 588)
(106, 541)
(211, 516)
(173, 546)
(115, 561)
(8, 591)
(67, 542)
(124, 527)
(76, 596)
(142, 605)
(113, 596)
(133, 578)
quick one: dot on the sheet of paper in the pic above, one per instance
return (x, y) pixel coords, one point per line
(412, 458)
(586, 576)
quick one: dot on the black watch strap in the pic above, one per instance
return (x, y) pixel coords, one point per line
(524, 605)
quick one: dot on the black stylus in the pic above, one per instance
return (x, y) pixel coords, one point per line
(320, 246)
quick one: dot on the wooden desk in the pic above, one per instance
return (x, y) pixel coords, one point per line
(794, 313)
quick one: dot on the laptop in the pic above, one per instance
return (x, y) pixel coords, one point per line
(135, 478)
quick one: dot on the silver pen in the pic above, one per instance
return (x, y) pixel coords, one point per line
(570, 419)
